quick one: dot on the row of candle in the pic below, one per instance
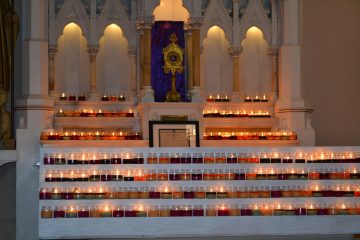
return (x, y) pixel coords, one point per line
(198, 175)
(218, 98)
(198, 158)
(72, 97)
(276, 135)
(166, 192)
(255, 98)
(94, 113)
(107, 211)
(97, 135)
(105, 97)
(237, 113)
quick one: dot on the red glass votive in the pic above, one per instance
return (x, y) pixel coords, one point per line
(83, 213)
(153, 194)
(49, 160)
(131, 213)
(67, 195)
(118, 212)
(185, 159)
(44, 194)
(72, 98)
(186, 212)
(189, 194)
(175, 160)
(198, 212)
(301, 211)
(245, 211)
(59, 213)
(175, 212)
(223, 212)
(196, 176)
(197, 160)
(106, 177)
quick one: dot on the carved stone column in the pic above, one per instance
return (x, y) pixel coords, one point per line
(273, 53)
(132, 54)
(93, 50)
(196, 92)
(52, 51)
(145, 23)
(189, 55)
(235, 53)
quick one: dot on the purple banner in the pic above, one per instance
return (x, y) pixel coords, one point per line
(160, 81)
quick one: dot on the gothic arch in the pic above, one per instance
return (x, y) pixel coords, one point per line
(255, 15)
(113, 12)
(216, 16)
(72, 11)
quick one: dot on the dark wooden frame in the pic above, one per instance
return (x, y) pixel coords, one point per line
(153, 123)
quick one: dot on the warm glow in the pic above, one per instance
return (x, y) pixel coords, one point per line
(171, 10)
(254, 32)
(72, 27)
(113, 29)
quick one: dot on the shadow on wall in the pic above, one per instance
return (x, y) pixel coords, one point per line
(7, 201)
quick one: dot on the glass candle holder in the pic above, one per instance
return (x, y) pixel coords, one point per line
(185, 158)
(59, 212)
(211, 211)
(166, 193)
(152, 158)
(210, 193)
(162, 175)
(165, 211)
(154, 193)
(118, 211)
(134, 193)
(151, 175)
(153, 211)
(71, 212)
(46, 212)
(178, 193)
(83, 212)
(209, 158)
(123, 193)
(198, 211)
(164, 158)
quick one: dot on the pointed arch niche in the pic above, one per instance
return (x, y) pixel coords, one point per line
(255, 63)
(72, 62)
(113, 62)
(171, 10)
(216, 62)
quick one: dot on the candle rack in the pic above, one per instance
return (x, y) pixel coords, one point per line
(118, 189)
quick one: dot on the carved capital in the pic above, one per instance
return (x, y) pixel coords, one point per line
(93, 50)
(52, 51)
(144, 22)
(235, 51)
(132, 50)
(273, 52)
(195, 22)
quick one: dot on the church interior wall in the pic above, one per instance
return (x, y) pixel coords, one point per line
(330, 69)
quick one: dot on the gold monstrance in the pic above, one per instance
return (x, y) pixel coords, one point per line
(173, 59)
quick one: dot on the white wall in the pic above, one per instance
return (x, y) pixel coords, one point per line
(255, 64)
(216, 63)
(330, 69)
(72, 62)
(113, 62)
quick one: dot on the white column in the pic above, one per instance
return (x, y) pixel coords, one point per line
(35, 109)
(147, 93)
(52, 52)
(273, 53)
(197, 91)
(290, 107)
(133, 86)
(235, 53)
(93, 50)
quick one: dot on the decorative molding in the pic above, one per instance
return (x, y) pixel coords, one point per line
(71, 11)
(195, 22)
(255, 15)
(235, 51)
(145, 22)
(52, 50)
(216, 15)
(305, 110)
(93, 50)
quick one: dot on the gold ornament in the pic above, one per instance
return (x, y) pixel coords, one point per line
(173, 59)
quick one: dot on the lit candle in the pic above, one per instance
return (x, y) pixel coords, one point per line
(63, 97)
